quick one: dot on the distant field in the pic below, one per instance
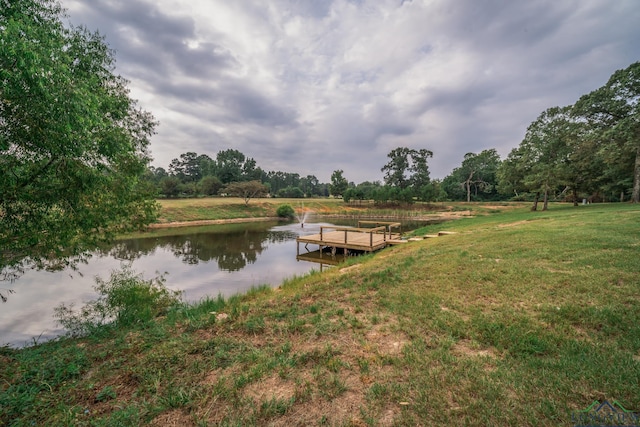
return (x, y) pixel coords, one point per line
(217, 208)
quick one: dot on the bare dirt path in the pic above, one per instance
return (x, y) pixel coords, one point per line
(210, 222)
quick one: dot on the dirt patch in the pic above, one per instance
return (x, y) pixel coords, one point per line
(172, 418)
(212, 377)
(453, 214)
(341, 410)
(350, 268)
(466, 348)
(513, 224)
(462, 316)
(388, 343)
(269, 388)
(209, 222)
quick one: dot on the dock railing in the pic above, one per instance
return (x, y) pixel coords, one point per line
(370, 231)
(385, 228)
(389, 225)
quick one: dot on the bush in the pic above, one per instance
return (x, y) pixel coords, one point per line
(285, 211)
(290, 192)
(125, 299)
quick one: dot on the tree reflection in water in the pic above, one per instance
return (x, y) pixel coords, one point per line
(232, 248)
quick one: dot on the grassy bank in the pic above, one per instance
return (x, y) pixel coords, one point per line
(223, 208)
(520, 318)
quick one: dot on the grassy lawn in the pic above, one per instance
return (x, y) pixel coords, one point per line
(520, 318)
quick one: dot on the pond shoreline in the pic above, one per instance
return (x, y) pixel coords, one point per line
(439, 216)
(195, 223)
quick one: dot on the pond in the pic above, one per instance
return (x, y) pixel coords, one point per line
(202, 261)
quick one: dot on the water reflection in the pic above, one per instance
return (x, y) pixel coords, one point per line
(206, 261)
(231, 250)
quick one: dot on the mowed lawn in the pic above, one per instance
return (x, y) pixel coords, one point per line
(520, 318)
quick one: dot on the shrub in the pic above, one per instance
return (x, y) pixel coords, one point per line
(125, 299)
(285, 211)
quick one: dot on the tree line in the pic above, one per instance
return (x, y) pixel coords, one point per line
(195, 174)
(589, 149)
(586, 151)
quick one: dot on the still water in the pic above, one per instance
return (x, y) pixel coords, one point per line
(204, 261)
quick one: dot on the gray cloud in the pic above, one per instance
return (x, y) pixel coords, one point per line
(311, 87)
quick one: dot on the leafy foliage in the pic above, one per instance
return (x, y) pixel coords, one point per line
(339, 183)
(73, 145)
(407, 167)
(285, 211)
(591, 147)
(613, 112)
(406, 177)
(475, 177)
(126, 299)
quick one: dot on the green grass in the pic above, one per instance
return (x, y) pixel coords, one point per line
(518, 319)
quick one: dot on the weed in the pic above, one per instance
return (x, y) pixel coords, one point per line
(254, 325)
(363, 364)
(275, 407)
(330, 385)
(176, 397)
(125, 299)
(107, 393)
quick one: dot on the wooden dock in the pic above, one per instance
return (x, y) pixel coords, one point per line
(360, 238)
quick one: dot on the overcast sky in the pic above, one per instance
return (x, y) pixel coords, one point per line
(311, 86)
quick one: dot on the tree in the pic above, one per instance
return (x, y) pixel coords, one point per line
(511, 173)
(231, 165)
(339, 183)
(477, 173)
(408, 172)
(546, 149)
(420, 169)
(209, 185)
(170, 186)
(363, 191)
(614, 109)
(290, 192)
(206, 165)
(584, 169)
(279, 180)
(309, 185)
(187, 167)
(396, 170)
(540, 163)
(246, 190)
(73, 145)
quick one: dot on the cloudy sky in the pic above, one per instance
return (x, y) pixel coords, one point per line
(311, 86)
